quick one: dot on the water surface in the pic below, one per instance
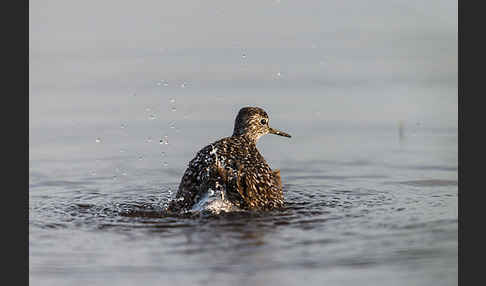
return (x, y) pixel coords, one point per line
(362, 206)
(368, 91)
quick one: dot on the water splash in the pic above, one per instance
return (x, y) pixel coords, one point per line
(215, 203)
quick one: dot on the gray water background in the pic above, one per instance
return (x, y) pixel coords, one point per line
(367, 90)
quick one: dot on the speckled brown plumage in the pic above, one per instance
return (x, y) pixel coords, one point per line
(234, 166)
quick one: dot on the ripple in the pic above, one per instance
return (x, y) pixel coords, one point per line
(60, 183)
(335, 177)
(425, 183)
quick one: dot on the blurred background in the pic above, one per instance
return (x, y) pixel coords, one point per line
(96, 65)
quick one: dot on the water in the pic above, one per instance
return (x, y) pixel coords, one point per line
(368, 91)
(366, 203)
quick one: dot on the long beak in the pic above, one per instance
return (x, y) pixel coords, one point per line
(278, 132)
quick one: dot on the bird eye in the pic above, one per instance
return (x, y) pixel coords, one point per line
(263, 121)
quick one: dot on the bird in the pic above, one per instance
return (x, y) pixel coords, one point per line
(234, 167)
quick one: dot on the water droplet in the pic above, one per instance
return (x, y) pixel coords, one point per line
(124, 173)
(149, 139)
(140, 158)
(173, 109)
(172, 100)
(159, 83)
(114, 178)
(163, 154)
(243, 56)
(166, 84)
(183, 85)
(122, 151)
(98, 140)
(123, 126)
(164, 140)
(152, 116)
(147, 109)
(166, 164)
(93, 173)
(279, 74)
